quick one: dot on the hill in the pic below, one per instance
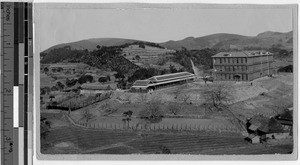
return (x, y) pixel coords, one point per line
(263, 40)
(91, 44)
(105, 58)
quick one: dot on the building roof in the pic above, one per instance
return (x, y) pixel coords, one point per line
(161, 79)
(264, 124)
(143, 83)
(171, 76)
(286, 115)
(242, 54)
(99, 86)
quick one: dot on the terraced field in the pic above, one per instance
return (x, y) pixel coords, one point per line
(87, 141)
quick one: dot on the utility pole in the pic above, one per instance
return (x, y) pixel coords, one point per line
(261, 69)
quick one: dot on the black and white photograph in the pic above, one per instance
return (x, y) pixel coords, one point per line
(165, 79)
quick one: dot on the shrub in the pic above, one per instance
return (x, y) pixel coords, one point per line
(152, 111)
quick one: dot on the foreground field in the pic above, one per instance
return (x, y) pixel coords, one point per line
(72, 140)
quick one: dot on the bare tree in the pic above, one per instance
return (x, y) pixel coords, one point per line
(185, 98)
(174, 108)
(87, 115)
(177, 92)
(218, 96)
(152, 111)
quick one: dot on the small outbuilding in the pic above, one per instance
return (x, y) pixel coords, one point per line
(252, 138)
(286, 120)
(266, 128)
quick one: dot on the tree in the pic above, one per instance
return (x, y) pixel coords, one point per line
(46, 70)
(59, 69)
(85, 78)
(102, 79)
(137, 57)
(172, 69)
(44, 127)
(87, 115)
(54, 88)
(174, 108)
(185, 97)
(98, 46)
(177, 92)
(51, 97)
(119, 75)
(218, 96)
(45, 90)
(71, 82)
(152, 111)
(127, 117)
(60, 85)
(108, 78)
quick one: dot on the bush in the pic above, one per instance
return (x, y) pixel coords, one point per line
(152, 111)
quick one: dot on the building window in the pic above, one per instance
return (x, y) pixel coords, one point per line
(237, 60)
(220, 60)
(246, 77)
(233, 68)
(245, 60)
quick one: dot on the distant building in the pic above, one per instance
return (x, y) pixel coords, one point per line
(242, 65)
(266, 128)
(95, 88)
(286, 120)
(162, 81)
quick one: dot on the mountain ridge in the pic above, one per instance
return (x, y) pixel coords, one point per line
(265, 39)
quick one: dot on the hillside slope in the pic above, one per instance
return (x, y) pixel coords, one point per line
(233, 41)
(91, 44)
(219, 41)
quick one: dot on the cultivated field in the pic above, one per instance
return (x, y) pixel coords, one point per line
(71, 140)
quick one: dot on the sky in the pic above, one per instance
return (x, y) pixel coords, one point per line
(156, 25)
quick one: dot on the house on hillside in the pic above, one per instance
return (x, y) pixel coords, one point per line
(286, 120)
(162, 81)
(95, 88)
(242, 65)
(266, 128)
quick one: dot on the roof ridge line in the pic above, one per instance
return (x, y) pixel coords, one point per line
(169, 74)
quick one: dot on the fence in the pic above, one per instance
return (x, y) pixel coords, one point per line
(154, 127)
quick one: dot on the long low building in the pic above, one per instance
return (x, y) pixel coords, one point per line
(162, 81)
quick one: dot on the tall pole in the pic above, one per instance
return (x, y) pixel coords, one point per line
(261, 70)
(268, 64)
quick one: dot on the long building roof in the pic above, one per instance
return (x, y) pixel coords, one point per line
(161, 79)
(242, 54)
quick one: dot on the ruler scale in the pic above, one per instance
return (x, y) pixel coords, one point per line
(16, 72)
